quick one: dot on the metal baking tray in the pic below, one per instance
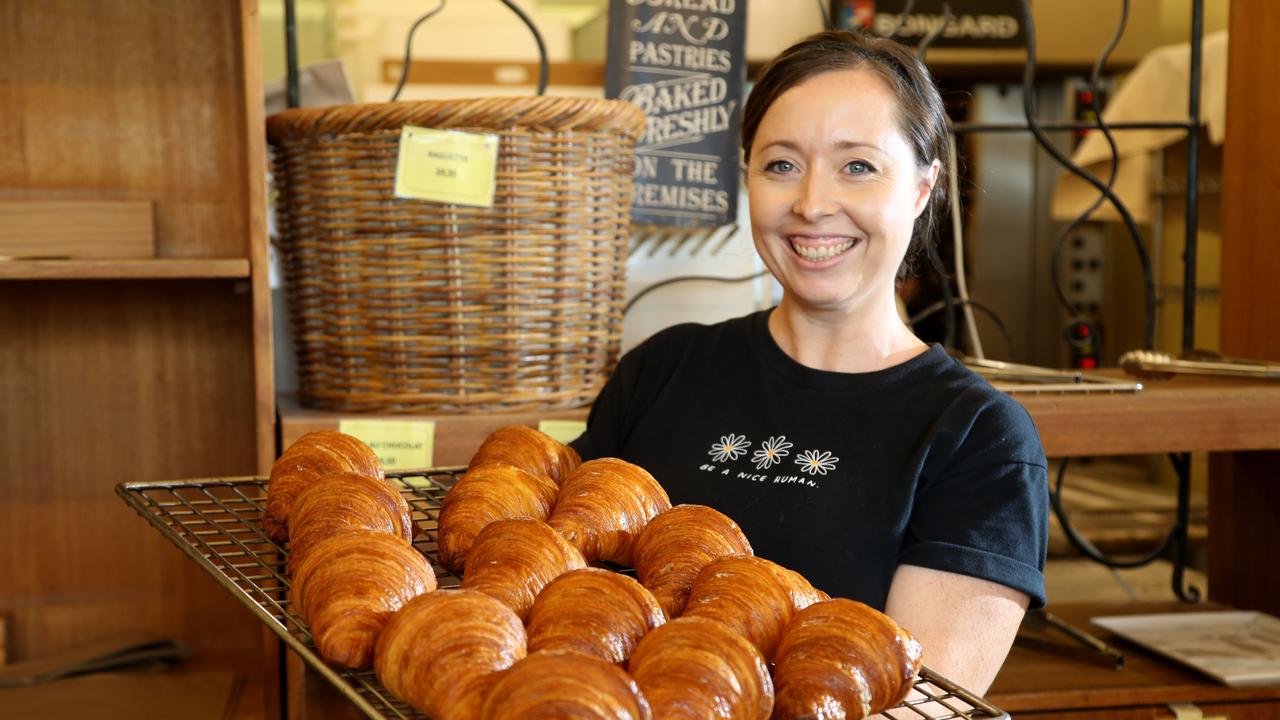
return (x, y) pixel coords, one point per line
(217, 522)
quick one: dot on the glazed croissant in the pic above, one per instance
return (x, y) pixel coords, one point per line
(344, 501)
(488, 492)
(798, 588)
(744, 593)
(530, 450)
(593, 612)
(441, 651)
(840, 658)
(512, 560)
(604, 505)
(348, 587)
(560, 686)
(693, 668)
(677, 544)
(311, 456)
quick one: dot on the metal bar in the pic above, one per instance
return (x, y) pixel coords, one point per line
(973, 127)
(291, 53)
(1189, 259)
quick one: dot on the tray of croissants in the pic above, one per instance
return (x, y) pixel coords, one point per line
(531, 585)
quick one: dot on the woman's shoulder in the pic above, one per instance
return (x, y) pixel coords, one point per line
(691, 340)
(982, 415)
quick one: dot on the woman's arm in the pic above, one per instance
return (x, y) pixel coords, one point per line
(965, 624)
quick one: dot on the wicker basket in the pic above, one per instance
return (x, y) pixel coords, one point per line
(414, 306)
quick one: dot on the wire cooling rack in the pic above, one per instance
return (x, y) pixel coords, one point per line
(217, 522)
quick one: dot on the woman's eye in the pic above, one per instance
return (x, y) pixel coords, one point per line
(858, 167)
(779, 166)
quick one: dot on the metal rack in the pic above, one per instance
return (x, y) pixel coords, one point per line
(217, 522)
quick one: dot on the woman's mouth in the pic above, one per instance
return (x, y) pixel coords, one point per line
(816, 251)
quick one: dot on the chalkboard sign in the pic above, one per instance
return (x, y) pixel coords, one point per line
(682, 62)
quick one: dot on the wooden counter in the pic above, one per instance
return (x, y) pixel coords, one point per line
(1046, 685)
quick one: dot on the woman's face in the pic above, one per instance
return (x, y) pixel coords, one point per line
(834, 190)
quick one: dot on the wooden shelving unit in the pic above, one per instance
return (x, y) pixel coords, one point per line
(130, 370)
(158, 268)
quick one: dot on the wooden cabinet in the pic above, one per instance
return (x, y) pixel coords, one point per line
(139, 369)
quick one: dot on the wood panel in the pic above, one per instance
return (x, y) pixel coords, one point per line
(1244, 488)
(1251, 184)
(130, 100)
(456, 436)
(105, 382)
(1183, 414)
(124, 269)
(76, 229)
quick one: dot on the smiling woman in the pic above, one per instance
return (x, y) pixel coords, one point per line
(842, 445)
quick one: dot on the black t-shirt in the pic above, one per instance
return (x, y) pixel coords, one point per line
(840, 476)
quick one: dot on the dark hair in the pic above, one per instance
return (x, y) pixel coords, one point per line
(922, 119)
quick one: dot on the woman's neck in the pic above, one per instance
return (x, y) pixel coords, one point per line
(873, 338)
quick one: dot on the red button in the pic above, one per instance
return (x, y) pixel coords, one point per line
(1088, 363)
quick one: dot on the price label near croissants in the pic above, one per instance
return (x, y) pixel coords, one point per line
(399, 444)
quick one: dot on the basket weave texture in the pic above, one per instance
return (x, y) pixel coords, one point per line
(416, 306)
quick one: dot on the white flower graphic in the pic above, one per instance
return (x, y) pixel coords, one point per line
(816, 463)
(771, 452)
(730, 447)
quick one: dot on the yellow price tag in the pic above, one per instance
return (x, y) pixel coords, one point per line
(446, 166)
(563, 430)
(400, 444)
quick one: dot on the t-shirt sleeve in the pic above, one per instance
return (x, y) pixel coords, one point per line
(985, 513)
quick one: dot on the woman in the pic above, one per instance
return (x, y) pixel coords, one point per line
(845, 447)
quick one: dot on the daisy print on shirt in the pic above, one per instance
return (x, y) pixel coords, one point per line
(813, 463)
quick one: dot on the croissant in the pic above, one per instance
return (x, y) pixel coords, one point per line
(677, 544)
(311, 456)
(488, 492)
(559, 686)
(798, 588)
(604, 505)
(840, 658)
(693, 668)
(348, 587)
(512, 560)
(593, 612)
(439, 653)
(530, 450)
(744, 593)
(344, 501)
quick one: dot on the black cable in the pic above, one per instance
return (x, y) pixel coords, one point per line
(1087, 548)
(1096, 106)
(928, 40)
(544, 69)
(939, 305)
(293, 92)
(902, 19)
(408, 49)
(688, 278)
(827, 24)
(1028, 83)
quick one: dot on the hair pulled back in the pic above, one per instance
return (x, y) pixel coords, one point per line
(920, 114)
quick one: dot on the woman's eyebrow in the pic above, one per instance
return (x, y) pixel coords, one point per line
(837, 145)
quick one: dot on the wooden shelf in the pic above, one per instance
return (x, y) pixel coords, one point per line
(142, 269)
(1184, 414)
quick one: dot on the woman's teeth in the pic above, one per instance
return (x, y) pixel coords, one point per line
(824, 252)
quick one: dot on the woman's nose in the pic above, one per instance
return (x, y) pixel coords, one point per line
(814, 199)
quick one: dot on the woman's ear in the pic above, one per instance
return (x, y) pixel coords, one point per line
(928, 178)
